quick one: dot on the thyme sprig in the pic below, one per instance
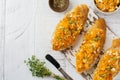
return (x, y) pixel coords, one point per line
(39, 69)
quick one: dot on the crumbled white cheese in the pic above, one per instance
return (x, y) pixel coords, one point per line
(84, 60)
(71, 15)
(113, 69)
(109, 52)
(102, 69)
(118, 57)
(84, 42)
(93, 44)
(91, 33)
(80, 66)
(63, 43)
(98, 50)
(115, 53)
(100, 0)
(95, 52)
(108, 61)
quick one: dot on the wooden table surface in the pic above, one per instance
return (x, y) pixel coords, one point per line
(26, 27)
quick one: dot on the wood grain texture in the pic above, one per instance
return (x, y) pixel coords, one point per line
(19, 38)
(2, 37)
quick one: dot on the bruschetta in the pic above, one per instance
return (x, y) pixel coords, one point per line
(109, 64)
(69, 27)
(92, 45)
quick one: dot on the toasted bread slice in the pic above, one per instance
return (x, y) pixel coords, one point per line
(109, 64)
(69, 27)
(92, 45)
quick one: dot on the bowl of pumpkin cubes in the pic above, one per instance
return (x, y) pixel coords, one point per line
(107, 6)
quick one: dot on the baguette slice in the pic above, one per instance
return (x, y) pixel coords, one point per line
(69, 27)
(92, 45)
(109, 65)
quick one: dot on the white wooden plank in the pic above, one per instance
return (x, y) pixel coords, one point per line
(2, 28)
(19, 35)
(72, 72)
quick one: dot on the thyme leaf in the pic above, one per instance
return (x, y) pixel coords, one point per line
(39, 69)
(97, 38)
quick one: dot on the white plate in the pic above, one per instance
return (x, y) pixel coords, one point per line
(70, 52)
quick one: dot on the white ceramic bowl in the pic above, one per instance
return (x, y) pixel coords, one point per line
(105, 13)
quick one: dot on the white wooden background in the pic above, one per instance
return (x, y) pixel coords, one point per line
(26, 27)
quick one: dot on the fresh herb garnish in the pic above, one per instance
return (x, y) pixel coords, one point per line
(68, 31)
(92, 47)
(63, 28)
(59, 37)
(85, 59)
(87, 24)
(39, 69)
(90, 15)
(59, 3)
(97, 38)
(109, 68)
(115, 58)
(102, 75)
(58, 77)
(71, 21)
